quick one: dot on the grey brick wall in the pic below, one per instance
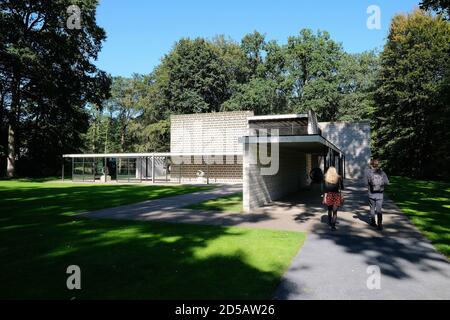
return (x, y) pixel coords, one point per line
(353, 138)
(208, 132)
(217, 132)
(227, 172)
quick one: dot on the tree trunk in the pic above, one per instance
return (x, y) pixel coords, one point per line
(122, 142)
(122, 139)
(2, 117)
(94, 132)
(11, 163)
(106, 135)
(2, 108)
(12, 128)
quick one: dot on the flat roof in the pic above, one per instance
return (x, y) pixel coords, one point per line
(152, 154)
(278, 117)
(307, 139)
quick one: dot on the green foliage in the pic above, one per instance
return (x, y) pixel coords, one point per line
(48, 76)
(312, 65)
(310, 72)
(114, 125)
(440, 6)
(262, 96)
(252, 45)
(103, 134)
(427, 204)
(357, 75)
(153, 137)
(412, 112)
(193, 77)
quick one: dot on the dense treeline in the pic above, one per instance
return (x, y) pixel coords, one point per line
(53, 100)
(412, 114)
(311, 71)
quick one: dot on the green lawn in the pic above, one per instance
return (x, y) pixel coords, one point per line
(427, 204)
(40, 237)
(232, 203)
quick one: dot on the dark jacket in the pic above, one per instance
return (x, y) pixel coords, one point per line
(333, 187)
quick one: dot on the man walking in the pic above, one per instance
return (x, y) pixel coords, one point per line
(376, 180)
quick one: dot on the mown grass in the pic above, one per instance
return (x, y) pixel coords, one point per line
(40, 237)
(231, 203)
(427, 204)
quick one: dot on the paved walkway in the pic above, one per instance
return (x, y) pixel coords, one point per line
(333, 265)
(169, 209)
(330, 265)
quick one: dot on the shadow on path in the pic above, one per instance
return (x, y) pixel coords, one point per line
(333, 265)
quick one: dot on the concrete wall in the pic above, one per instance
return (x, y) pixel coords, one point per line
(208, 132)
(259, 190)
(353, 138)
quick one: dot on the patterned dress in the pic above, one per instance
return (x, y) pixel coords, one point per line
(333, 199)
(333, 193)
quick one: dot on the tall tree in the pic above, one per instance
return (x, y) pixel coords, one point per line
(259, 95)
(312, 62)
(253, 45)
(193, 77)
(149, 131)
(3, 123)
(439, 6)
(49, 73)
(104, 132)
(234, 60)
(412, 111)
(126, 104)
(356, 77)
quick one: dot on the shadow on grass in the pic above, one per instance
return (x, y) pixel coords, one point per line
(68, 198)
(125, 259)
(427, 204)
(29, 179)
(132, 260)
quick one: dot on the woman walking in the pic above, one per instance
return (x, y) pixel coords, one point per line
(332, 194)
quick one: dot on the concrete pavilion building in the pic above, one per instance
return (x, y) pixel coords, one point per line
(271, 155)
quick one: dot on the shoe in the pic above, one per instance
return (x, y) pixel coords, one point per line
(372, 222)
(333, 227)
(380, 221)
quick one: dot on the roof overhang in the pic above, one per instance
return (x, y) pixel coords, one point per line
(278, 117)
(308, 143)
(155, 154)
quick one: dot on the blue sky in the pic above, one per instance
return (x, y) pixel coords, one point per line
(141, 32)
